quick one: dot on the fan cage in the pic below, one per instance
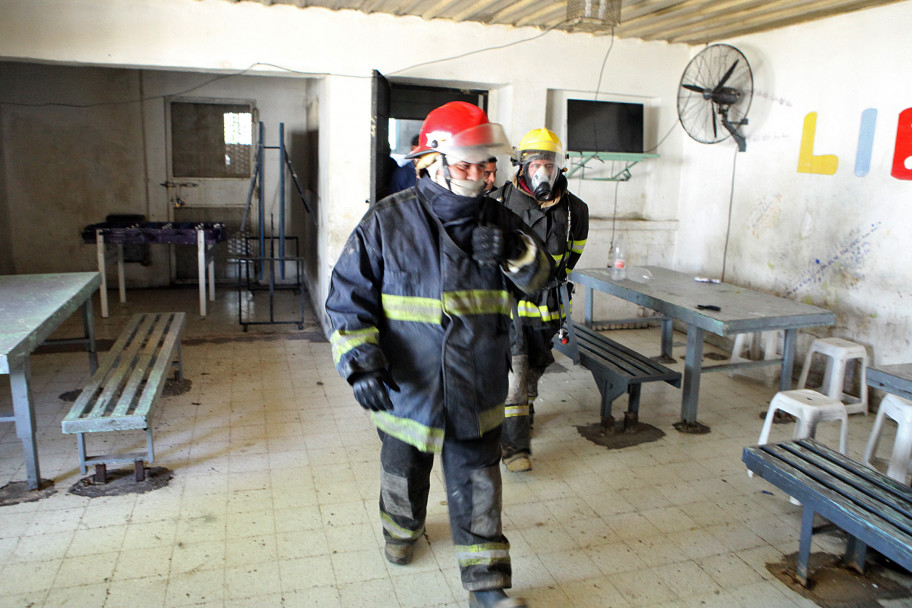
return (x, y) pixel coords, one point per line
(593, 15)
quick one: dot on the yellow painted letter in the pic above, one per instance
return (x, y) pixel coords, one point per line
(824, 164)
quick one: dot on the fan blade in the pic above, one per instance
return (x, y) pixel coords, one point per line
(693, 87)
(727, 76)
(712, 110)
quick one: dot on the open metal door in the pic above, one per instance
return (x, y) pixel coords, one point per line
(380, 153)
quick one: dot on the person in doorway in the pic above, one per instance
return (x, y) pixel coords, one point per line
(419, 303)
(538, 194)
(490, 175)
(404, 175)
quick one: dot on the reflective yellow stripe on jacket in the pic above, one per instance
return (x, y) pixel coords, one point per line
(531, 309)
(343, 341)
(459, 303)
(412, 432)
(577, 246)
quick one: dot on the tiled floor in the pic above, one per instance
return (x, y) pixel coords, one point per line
(273, 500)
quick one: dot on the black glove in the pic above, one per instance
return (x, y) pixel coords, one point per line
(371, 390)
(488, 245)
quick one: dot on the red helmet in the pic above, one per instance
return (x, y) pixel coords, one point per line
(463, 131)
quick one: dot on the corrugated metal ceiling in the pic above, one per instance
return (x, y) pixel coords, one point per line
(678, 21)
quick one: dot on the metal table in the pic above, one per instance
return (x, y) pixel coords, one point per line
(676, 295)
(205, 235)
(32, 306)
(896, 379)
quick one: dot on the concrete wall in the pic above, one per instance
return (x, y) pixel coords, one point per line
(339, 49)
(837, 241)
(831, 240)
(80, 143)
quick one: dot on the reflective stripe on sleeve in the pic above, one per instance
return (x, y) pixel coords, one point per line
(343, 341)
(423, 437)
(483, 554)
(577, 246)
(491, 418)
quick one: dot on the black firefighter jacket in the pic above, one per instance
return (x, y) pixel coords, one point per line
(406, 298)
(564, 228)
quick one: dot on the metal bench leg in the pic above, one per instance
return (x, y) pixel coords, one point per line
(632, 415)
(180, 363)
(139, 470)
(609, 392)
(149, 448)
(804, 548)
(81, 446)
(856, 554)
(667, 340)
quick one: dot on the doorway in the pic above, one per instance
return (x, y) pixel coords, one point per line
(398, 110)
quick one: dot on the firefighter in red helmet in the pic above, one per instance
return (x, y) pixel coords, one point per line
(420, 303)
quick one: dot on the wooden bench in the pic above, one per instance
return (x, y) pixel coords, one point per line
(871, 508)
(616, 368)
(122, 393)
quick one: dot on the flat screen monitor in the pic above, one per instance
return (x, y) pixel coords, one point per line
(604, 126)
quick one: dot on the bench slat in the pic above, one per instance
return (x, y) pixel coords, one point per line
(897, 491)
(860, 523)
(847, 483)
(155, 383)
(140, 369)
(97, 380)
(125, 359)
(621, 359)
(145, 351)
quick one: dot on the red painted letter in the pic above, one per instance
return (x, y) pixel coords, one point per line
(902, 153)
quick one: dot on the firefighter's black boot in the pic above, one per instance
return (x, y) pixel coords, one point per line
(494, 598)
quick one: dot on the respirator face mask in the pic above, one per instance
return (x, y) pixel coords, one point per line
(540, 175)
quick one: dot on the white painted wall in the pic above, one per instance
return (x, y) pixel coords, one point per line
(341, 48)
(837, 241)
(676, 207)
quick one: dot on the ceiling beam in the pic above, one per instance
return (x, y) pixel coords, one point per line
(763, 21)
(691, 11)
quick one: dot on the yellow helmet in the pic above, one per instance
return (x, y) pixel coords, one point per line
(542, 140)
(540, 157)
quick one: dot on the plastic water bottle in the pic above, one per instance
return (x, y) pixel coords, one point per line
(618, 263)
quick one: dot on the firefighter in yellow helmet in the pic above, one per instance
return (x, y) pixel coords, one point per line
(538, 194)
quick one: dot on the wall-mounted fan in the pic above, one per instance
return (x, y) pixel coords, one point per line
(715, 95)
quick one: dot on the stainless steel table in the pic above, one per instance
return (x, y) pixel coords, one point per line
(676, 295)
(896, 379)
(32, 306)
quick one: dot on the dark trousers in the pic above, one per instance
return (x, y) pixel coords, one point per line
(531, 357)
(471, 470)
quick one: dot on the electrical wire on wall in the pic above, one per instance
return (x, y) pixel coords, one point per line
(731, 202)
(250, 68)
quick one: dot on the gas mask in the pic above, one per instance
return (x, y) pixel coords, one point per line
(540, 184)
(540, 178)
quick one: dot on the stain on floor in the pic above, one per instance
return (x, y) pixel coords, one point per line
(833, 585)
(645, 433)
(122, 481)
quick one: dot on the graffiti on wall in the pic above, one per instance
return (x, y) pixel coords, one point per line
(764, 215)
(851, 251)
(826, 164)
